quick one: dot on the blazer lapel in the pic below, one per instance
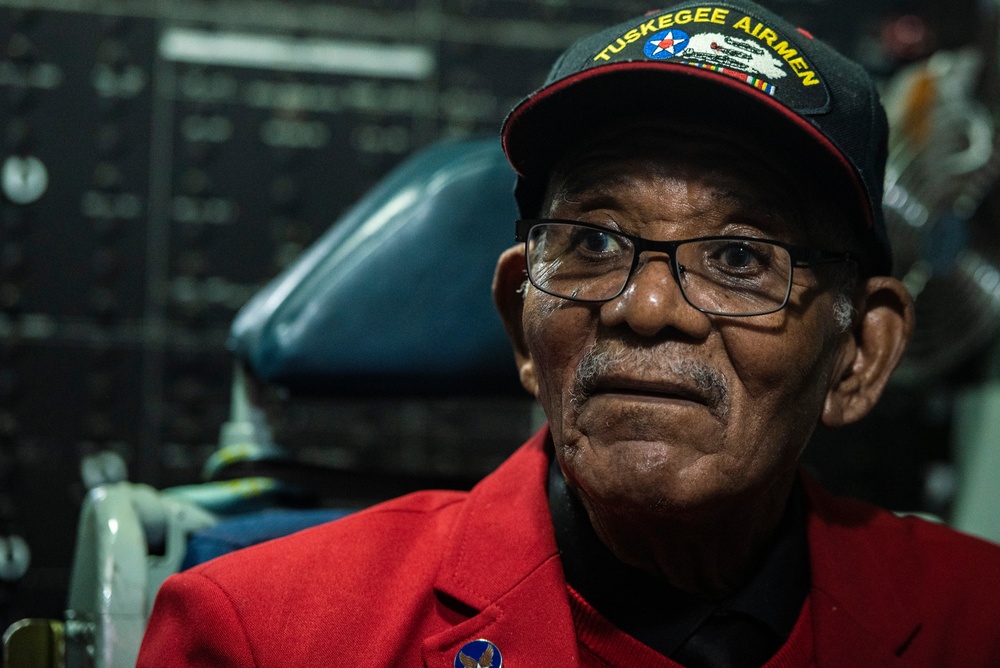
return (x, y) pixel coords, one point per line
(862, 616)
(841, 641)
(503, 563)
(531, 625)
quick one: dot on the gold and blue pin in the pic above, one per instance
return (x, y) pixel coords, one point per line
(479, 654)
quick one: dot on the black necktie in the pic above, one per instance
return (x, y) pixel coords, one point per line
(728, 640)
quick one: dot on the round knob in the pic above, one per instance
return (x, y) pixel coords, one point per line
(15, 557)
(103, 468)
(24, 179)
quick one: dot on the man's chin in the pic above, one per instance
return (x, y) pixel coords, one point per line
(645, 476)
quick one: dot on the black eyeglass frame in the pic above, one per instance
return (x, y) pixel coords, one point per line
(800, 256)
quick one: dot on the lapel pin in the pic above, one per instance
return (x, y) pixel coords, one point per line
(479, 654)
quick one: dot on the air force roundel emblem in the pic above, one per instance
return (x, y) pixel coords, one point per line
(479, 654)
(666, 44)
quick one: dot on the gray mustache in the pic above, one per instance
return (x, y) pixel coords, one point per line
(604, 358)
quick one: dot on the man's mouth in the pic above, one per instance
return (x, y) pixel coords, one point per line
(651, 389)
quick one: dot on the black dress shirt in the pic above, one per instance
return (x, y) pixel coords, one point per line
(756, 619)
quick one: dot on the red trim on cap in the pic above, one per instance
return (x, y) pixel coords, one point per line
(806, 33)
(731, 83)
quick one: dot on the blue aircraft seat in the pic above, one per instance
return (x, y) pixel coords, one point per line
(395, 297)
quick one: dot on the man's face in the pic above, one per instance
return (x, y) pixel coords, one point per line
(655, 406)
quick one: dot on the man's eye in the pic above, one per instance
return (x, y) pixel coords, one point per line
(739, 256)
(592, 241)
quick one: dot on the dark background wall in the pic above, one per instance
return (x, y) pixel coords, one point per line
(151, 186)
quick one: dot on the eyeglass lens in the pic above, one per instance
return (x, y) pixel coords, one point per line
(726, 276)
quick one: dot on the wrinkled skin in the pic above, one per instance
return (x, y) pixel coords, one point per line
(684, 448)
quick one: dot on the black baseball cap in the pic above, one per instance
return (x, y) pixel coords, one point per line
(732, 62)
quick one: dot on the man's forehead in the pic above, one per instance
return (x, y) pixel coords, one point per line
(603, 171)
(610, 181)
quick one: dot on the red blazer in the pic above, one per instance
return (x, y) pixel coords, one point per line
(411, 581)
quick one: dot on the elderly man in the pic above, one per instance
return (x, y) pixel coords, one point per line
(702, 278)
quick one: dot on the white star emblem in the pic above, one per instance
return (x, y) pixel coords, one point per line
(668, 43)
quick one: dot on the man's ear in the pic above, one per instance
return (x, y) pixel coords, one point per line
(871, 352)
(508, 295)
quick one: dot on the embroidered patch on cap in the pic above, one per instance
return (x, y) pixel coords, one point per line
(666, 44)
(723, 39)
(479, 654)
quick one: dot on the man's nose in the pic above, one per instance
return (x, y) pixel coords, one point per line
(652, 301)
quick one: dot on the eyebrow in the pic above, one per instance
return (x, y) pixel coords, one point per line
(595, 190)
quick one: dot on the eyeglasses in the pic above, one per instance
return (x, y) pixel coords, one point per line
(725, 275)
